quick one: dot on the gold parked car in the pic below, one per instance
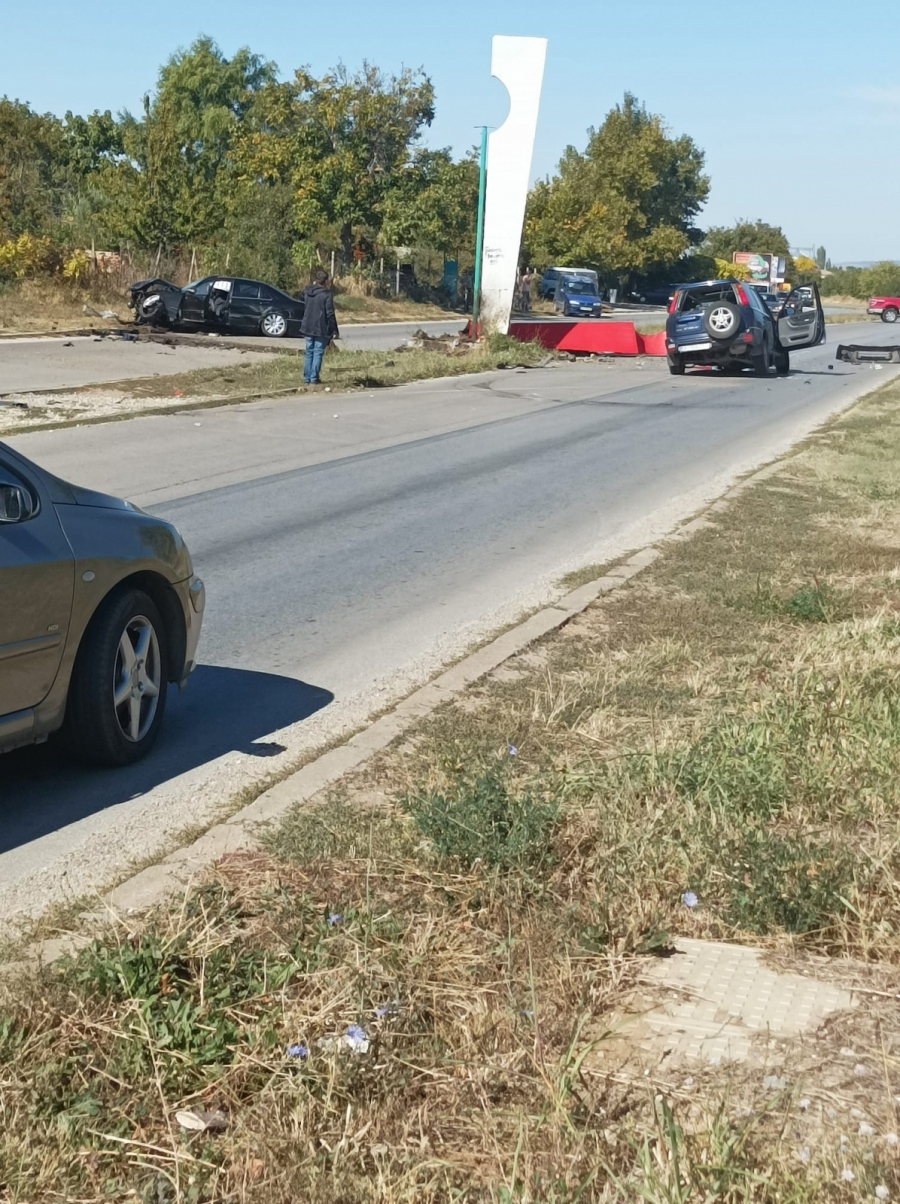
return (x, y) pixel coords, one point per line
(100, 611)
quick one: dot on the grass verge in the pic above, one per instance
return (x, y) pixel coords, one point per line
(403, 997)
(341, 370)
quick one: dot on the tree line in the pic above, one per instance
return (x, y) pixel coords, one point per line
(228, 166)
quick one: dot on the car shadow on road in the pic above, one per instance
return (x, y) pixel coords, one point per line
(222, 711)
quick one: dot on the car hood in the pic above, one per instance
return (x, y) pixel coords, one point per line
(102, 501)
(155, 281)
(581, 299)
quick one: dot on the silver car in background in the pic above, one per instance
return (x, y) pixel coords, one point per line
(100, 611)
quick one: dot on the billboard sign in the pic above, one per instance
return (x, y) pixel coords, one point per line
(759, 266)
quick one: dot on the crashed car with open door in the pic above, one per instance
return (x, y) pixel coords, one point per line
(727, 324)
(223, 303)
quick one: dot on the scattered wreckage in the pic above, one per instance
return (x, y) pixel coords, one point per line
(861, 353)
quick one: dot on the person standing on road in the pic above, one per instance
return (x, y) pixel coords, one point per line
(525, 291)
(318, 324)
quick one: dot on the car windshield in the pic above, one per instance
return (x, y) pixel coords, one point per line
(581, 287)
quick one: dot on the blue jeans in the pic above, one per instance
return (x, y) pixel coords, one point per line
(312, 364)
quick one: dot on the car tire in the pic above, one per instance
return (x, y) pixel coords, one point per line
(722, 320)
(890, 314)
(151, 309)
(98, 729)
(274, 324)
(762, 362)
(782, 362)
(676, 365)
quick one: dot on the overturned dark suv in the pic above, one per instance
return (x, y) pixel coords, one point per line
(728, 324)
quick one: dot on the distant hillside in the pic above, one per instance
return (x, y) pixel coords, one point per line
(863, 263)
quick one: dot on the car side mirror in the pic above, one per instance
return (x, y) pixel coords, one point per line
(16, 504)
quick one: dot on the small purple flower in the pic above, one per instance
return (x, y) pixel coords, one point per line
(512, 750)
(334, 917)
(385, 1009)
(356, 1039)
(689, 899)
(298, 1051)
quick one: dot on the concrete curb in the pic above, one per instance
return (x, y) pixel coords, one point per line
(175, 870)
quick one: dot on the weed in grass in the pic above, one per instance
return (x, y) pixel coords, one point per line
(815, 603)
(484, 816)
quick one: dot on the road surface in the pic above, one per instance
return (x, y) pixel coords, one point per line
(67, 363)
(351, 544)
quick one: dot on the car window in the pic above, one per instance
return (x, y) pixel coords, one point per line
(271, 294)
(200, 288)
(246, 290)
(579, 286)
(692, 299)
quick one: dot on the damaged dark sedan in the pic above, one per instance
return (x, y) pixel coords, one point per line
(226, 303)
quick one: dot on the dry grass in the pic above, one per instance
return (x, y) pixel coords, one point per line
(353, 308)
(480, 898)
(45, 305)
(50, 304)
(341, 370)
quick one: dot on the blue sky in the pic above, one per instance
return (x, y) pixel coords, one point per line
(797, 104)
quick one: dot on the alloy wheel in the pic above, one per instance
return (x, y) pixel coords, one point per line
(721, 320)
(274, 325)
(137, 678)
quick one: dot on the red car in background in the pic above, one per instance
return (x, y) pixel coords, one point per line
(887, 308)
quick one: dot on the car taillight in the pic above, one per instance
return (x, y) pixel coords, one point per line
(673, 304)
(741, 296)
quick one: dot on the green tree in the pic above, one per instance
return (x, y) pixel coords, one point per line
(822, 259)
(881, 280)
(433, 202)
(758, 237)
(164, 173)
(342, 142)
(259, 235)
(844, 282)
(32, 170)
(628, 203)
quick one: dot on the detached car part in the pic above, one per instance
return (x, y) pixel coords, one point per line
(855, 353)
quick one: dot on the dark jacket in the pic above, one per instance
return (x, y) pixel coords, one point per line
(318, 320)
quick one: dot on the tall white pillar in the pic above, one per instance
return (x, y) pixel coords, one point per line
(519, 65)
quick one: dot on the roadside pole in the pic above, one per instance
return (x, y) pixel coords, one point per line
(479, 234)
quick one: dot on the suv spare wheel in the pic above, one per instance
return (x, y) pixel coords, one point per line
(722, 320)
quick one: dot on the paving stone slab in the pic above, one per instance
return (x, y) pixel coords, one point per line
(723, 999)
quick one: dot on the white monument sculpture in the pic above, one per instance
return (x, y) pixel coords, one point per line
(519, 65)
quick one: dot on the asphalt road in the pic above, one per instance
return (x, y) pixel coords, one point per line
(52, 363)
(352, 543)
(68, 363)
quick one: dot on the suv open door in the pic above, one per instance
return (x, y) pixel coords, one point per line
(800, 319)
